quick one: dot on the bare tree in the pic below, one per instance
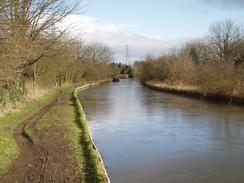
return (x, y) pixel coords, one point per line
(29, 22)
(224, 38)
(98, 53)
(26, 31)
(197, 50)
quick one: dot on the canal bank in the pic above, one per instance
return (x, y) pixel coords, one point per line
(52, 143)
(95, 162)
(194, 92)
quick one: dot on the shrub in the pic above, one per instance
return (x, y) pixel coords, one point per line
(215, 77)
(152, 70)
(9, 95)
(218, 77)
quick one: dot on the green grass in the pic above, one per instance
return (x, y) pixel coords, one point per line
(94, 167)
(9, 149)
(69, 117)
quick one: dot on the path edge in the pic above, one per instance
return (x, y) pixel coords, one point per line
(84, 87)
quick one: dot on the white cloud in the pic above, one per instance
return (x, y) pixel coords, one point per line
(117, 36)
(92, 25)
(89, 25)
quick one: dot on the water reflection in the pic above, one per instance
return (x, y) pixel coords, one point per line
(148, 136)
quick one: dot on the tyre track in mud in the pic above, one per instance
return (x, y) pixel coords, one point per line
(45, 157)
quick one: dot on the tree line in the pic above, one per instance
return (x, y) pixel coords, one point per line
(35, 54)
(213, 64)
(122, 69)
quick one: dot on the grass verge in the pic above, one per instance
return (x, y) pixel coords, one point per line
(9, 149)
(69, 119)
(94, 166)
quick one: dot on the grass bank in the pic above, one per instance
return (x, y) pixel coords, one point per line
(95, 168)
(65, 121)
(69, 119)
(193, 91)
(9, 149)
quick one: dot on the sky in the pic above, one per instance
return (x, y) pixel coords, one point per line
(150, 26)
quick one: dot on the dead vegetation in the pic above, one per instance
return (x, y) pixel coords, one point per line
(214, 65)
(36, 54)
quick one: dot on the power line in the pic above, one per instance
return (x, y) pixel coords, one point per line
(127, 55)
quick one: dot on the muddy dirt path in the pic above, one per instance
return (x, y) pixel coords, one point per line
(43, 158)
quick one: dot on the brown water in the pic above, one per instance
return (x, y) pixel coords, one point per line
(146, 136)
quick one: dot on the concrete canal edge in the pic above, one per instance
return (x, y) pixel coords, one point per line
(86, 86)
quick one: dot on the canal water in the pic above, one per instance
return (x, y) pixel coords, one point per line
(146, 136)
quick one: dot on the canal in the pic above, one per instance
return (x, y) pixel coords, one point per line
(146, 136)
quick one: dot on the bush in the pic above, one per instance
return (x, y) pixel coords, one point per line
(218, 78)
(9, 95)
(152, 70)
(167, 69)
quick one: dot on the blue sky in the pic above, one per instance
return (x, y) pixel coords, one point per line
(174, 18)
(150, 26)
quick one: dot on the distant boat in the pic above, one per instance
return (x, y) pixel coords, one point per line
(116, 79)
